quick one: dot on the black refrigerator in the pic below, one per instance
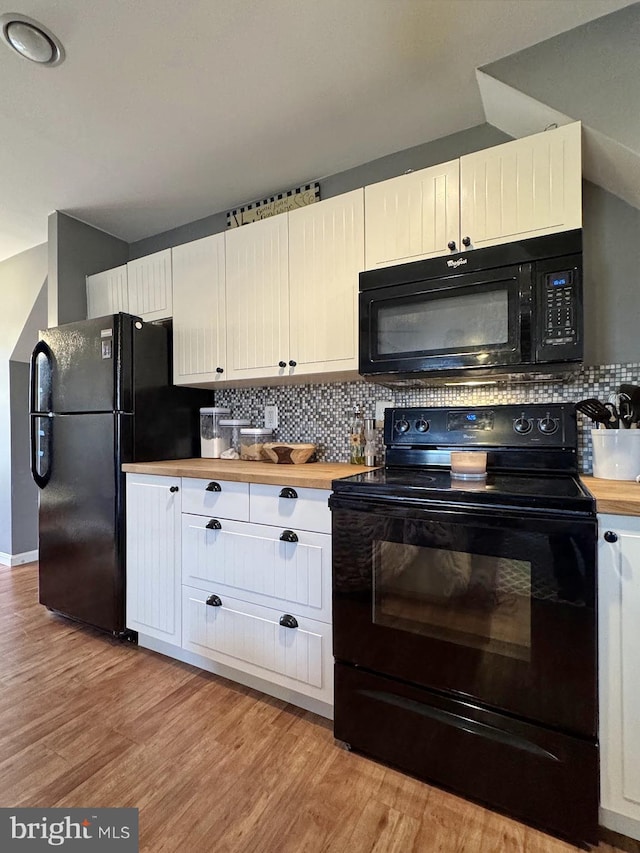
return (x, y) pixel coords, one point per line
(100, 396)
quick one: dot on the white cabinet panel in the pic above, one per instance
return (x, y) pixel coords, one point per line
(107, 292)
(153, 556)
(412, 216)
(199, 311)
(284, 506)
(252, 562)
(249, 637)
(619, 674)
(216, 498)
(326, 254)
(149, 286)
(522, 189)
(257, 299)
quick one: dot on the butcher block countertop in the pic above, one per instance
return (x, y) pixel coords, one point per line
(619, 497)
(311, 475)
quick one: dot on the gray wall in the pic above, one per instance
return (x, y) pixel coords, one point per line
(591, 72)
(428, 154)
(22, 280)
(75, 251)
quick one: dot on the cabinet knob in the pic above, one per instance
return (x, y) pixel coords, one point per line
(452, 245)
(288, 621)
(610, 536)
(174, 489)
(219, 369)
(282, 364)
(289, 536)
(292, 363)
(214, 524)
(214, 601)
(213, 487)
(288, 492)
(466, 241)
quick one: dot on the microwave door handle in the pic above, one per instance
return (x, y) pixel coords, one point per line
(35, 378)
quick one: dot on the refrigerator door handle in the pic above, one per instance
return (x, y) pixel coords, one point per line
(36, 380)
(41, 449)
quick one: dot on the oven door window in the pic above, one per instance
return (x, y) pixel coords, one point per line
(476, 600)
(492, 605)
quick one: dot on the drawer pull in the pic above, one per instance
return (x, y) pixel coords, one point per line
(174, 489)
(214, 524)
(214, 601)
(213, 487)
(288, 492)
(289, 536)
(288, 621)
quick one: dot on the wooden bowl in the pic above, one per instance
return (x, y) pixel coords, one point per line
(288, 453)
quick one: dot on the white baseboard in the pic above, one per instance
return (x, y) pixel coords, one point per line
(620, 823)
(17, 559)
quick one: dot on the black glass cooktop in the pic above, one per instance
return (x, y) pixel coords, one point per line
(540, 491)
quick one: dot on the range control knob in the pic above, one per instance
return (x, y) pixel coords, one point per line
(402, 426)
(422, 425)
(548, 425)
(522, 425)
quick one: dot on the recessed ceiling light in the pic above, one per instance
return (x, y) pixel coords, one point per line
(30, 39)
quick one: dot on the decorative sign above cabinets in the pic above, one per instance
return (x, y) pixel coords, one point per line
(290, 200)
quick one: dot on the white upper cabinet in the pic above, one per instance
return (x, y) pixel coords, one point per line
(141, 287)
(413, 216)
(199, 313)
(257, 259)
(107, 292)
(326, 253)
(522, 189)
(149, 286)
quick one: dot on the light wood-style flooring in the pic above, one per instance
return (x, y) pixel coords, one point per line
(212, 766)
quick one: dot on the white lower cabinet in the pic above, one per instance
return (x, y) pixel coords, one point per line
(238, 575)
(619, 673)
(153, 557)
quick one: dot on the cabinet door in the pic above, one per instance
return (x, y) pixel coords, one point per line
(258, 299)
(412, 216)
(153, 556)
(149, 286)
(525, 188)
(326, 253)
(107, 292)
(199, 317)
(619, 673)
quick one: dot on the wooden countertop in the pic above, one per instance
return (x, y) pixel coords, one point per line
(620, 497)
(311, 475)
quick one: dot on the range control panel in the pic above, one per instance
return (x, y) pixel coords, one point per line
(527, 425)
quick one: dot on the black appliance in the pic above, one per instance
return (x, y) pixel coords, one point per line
(100, 396)
(510, 309)
(464, 612)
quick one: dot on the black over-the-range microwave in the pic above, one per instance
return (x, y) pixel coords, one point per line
(509, 309)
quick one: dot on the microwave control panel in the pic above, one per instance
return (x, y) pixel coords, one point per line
(560, 307)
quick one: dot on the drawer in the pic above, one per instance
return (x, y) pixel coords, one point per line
(305, 509)
(250, 638)
(215, 498)
(253, 562)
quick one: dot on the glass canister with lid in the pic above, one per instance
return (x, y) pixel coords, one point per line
(252, 442)
(231, 429)
(213, 441)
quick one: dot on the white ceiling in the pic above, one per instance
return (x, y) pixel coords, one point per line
(164, 112)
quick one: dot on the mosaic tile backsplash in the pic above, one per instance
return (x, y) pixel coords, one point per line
(321, 413)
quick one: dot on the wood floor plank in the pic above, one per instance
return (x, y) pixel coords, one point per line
(212, 766)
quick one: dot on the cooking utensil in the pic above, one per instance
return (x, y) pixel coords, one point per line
(595, 410)
(614, 420)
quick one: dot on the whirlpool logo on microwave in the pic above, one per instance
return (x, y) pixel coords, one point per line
(73, 829)
(457, 263)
